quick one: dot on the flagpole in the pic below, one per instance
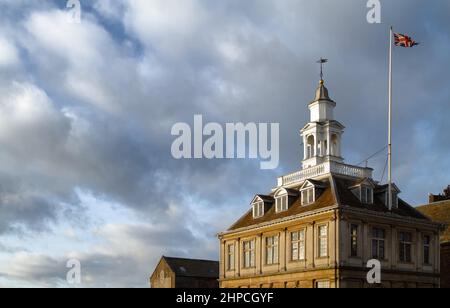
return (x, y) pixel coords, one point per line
(391, 34)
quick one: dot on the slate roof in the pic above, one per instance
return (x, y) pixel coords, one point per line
(193, 268)
(337, 192)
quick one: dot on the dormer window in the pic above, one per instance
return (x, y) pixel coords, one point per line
(284, 198)
(383, 193)
(281, 203)
(394, 199)
(308, 196)
(366, 194)
(260, 205)
(364, 191)
(310, 191)
(258, 209)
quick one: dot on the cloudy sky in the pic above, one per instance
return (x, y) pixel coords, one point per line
(86, 112)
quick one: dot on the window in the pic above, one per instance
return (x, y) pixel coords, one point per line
(298, 245)
(378, 243)
(405, 242)
(394, 199)
(334, 146)
(366, 195)
(281, 204)
(426, 249)
(272, 250)
(308, 196)
(310, 147)
(323, 241)
(325, 284)
(230, 256)
(353, 240)
(258, 209)
(249, 254)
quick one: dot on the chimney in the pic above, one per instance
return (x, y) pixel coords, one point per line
(441, 197)
(447, 192)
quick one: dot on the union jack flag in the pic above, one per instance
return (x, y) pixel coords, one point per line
(404, 40)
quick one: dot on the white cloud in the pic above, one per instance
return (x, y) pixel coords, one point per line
(166, 25)
(9, 55)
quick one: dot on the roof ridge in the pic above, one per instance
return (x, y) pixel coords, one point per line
(189, 259)
(434, 203)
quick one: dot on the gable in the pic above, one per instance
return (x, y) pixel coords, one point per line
(312, 183)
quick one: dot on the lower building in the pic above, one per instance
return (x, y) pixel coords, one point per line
(185, 273)
(439, 210)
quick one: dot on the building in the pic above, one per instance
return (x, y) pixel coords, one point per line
(321, 225)
(438, 209)
(185, 273)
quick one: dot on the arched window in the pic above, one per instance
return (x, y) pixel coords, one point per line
(310, 147)
(334, 145)
(281, 201)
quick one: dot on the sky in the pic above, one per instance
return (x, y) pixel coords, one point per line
(86, 111)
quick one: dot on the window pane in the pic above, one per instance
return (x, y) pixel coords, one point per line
(302, 251)
(304, 197)
(426, 249)
(310, 195)
(323, 284)
(363, 194)
(294, 251)
(302, 235)
(252, 258)
(275, 254)
(354, 240)
(375, 249)
(323, 231)
(381, 249)
(408, 252)
(426, 255)
(401, 252)
(323, 241)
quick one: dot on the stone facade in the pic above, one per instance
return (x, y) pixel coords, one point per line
(338, 268)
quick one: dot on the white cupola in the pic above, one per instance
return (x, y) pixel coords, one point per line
(322, 135)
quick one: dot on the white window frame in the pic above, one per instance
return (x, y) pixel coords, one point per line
(380, 241)
(366, 194)
(405, 245)
(299, 245)
(272, 249)
(231, 259)
(258, 209)
(248, 251)
(322, 241)
(281, 203)
(310, 194)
